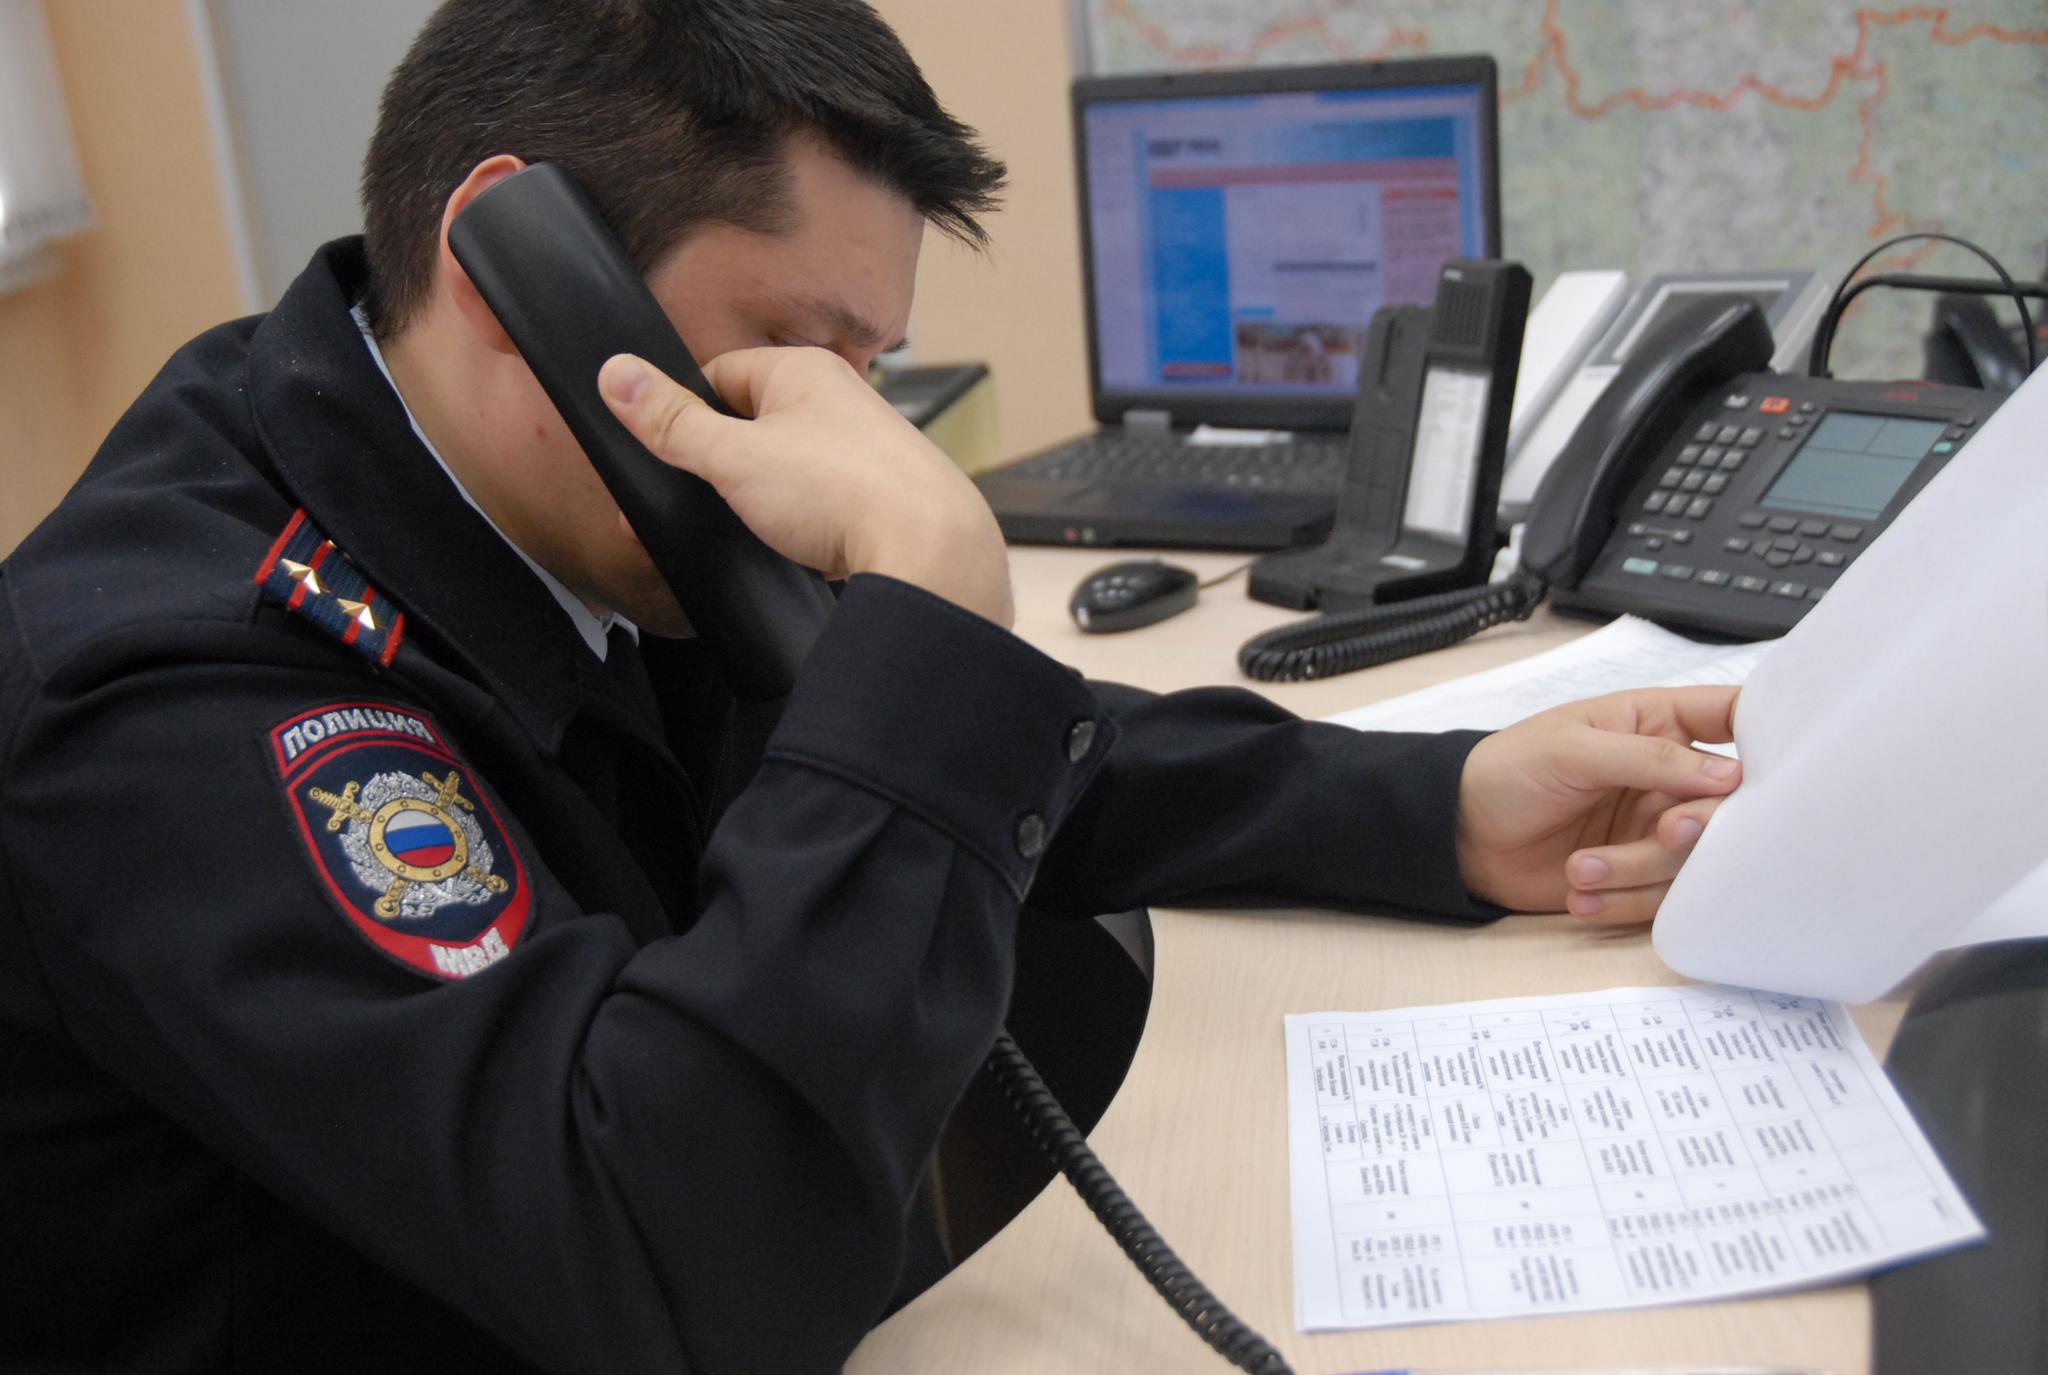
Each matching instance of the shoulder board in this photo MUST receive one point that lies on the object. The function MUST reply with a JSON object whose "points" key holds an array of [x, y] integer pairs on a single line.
{"points": [[305, 574]]}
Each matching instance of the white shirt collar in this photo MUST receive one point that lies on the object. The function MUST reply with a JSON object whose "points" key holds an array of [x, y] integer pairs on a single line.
{"points": [[591, 626]]}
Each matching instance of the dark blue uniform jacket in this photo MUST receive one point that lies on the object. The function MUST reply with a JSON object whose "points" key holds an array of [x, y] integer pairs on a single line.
{"points": [[392, 994]]}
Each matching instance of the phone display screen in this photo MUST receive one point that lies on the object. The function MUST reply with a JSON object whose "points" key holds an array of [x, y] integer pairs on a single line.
{"points": [[1853, 465], [1446, 462]]}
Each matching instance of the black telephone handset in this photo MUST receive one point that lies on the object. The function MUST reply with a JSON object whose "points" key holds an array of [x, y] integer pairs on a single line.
{"points": [[550, 270], [1968, 345], [1694, 352]]}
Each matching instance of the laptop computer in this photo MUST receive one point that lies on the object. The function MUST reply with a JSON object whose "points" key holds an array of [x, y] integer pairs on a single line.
{"points": [[1238, 230]]}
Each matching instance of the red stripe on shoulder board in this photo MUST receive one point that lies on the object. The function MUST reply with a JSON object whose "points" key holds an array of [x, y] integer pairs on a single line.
{"points": [[393, 633], [263, 570]]}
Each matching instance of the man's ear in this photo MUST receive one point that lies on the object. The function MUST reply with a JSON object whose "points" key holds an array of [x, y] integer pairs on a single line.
{"points": [[452, 279]]}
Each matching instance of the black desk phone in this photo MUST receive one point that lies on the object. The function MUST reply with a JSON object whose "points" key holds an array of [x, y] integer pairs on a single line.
{"points": [[1701, 490], [553, 274], [1428, 441], [1746, 507]]}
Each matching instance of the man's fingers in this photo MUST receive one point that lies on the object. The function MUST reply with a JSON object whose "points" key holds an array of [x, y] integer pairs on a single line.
{"points": [[1617, 885], [1620, 907], [1649, 763], [1705, 712], [1653, 859], [755, 380], [662, 414], [1679, 827], [1610, 868], [741, 377]]}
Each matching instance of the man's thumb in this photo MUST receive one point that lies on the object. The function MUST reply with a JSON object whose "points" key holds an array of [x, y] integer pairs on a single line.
{"points": [[652, 406]]}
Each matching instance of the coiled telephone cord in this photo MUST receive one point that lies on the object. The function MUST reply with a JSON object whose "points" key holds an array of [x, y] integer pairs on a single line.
{"points": [[1064, 1145], [1342, 641]]}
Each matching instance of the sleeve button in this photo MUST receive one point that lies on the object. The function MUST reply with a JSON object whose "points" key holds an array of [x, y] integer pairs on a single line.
{"points": [[1031, 836], [1080, 739]]}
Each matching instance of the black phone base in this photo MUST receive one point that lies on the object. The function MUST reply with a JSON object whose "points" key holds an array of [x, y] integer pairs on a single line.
{"points": [[1342, 576]]}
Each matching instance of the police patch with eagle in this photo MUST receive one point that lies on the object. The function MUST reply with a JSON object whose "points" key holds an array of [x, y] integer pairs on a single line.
{"points": [[401, 836]]}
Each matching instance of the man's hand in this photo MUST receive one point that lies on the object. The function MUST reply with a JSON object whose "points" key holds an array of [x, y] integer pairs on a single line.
{"points": [[1592, 807], [825, 472]]}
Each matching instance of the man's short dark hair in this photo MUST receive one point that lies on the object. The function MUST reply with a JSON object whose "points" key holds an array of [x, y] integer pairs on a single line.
{"points": [[670, 113]]}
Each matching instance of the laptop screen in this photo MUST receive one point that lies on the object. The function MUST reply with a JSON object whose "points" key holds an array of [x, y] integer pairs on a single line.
{"points": [[1238, 242]]}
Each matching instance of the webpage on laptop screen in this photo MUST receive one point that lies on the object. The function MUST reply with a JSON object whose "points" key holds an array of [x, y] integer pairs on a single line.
{"points": [[1242, 243]]}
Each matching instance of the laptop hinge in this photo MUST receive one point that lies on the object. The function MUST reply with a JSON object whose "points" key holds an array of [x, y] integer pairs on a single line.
{"points": [[1148, 421]]}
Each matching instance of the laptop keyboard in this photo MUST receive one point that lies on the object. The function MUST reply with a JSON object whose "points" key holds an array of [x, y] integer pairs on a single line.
{"points": [[1313, 467]]}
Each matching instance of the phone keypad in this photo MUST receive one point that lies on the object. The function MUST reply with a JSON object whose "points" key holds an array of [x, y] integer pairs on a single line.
{"points": [[1683, 493], [1696, 524], [1708, 458]]}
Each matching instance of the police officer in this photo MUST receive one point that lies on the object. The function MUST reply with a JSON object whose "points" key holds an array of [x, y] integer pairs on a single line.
{"points": [[415, 953]]}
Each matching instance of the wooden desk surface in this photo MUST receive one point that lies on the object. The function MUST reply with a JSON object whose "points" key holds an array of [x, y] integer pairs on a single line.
{"points": [[1198, 1133]]}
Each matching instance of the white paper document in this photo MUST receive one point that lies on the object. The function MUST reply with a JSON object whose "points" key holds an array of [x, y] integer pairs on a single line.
{"points": [[1620, 1149], [1894, 800], [1627, 653]]}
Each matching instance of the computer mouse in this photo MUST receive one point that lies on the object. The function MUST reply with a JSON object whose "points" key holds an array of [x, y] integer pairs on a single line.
{"points": [[1124, 596]]}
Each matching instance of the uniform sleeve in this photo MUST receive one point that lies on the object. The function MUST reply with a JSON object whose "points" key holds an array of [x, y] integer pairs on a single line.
{"points": [[691, 1154], [1218, 795]]}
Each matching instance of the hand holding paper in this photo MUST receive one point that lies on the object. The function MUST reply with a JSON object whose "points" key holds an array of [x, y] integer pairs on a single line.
{"points": [[1593, 805], [1895, 749]]}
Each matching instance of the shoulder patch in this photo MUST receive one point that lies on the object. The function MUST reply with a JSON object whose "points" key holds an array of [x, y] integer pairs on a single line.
{"points": [[304, 573], [401, 836]]}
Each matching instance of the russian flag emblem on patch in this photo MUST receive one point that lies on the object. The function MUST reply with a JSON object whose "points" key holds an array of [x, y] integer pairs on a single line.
{"points": [[402, 837]]}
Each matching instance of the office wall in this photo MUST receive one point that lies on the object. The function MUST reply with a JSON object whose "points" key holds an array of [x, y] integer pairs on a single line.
{"points": [[1005, 69], [76, 349], [300, 83]]}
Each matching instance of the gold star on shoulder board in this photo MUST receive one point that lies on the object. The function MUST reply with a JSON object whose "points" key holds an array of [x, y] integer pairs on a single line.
{"points": [[306, 574], [359, 612]]}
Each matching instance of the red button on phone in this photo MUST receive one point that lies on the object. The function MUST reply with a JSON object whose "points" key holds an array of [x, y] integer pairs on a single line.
{"points": [[1775, 405]]}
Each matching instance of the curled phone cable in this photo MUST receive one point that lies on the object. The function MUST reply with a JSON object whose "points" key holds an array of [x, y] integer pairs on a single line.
{"points": [[1064, 1145], [1343, 641]]}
